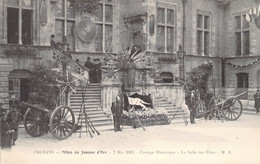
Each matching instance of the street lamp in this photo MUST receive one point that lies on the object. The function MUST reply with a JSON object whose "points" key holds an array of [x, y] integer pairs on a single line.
{"points": [[181, 57]]}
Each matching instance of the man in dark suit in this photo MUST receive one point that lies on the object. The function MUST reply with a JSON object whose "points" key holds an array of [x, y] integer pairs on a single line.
{"points": [[257, 100], [116, 110], [53, 43], [90, 65], [96, 71], [191, 102]]}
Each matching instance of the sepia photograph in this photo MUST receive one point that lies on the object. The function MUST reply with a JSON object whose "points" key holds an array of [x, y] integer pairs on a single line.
{"points": [[130, 81]]}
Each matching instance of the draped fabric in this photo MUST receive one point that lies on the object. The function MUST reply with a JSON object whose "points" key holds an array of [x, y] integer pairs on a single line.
{"points": [[145, 100]]}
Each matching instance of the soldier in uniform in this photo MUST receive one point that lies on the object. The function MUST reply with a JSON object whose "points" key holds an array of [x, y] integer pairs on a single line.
{"points": [[116, 110], [257, 100], [191, 102]]}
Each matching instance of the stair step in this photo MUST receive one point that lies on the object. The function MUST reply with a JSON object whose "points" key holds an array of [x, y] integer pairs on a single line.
{"points": [[97, 124], [170, 115], [90, 110], [93, 84], [96, 120], [92, 95], [94, 116], [163, 102], [88, 91], [87, 107], [160, 99], [164, 105], [89, 99], [174, 111], [78, 96], [86, 94], [86, 103], [250, 111], [171, 107], [88, 88]]}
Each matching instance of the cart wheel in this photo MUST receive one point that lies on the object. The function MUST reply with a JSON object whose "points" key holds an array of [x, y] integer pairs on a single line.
{"points": [[232, 109], [211, 103], [35, 122], [62, 122]]}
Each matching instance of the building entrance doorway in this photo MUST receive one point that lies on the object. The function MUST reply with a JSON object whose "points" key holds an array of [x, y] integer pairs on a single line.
{"points": [[242, 85], [19, 87]]}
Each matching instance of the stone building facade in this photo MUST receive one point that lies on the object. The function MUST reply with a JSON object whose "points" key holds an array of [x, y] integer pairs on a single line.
{"points": [[163, 29]]}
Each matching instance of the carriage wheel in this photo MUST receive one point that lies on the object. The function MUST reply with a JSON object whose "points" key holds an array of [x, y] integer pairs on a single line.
{"points": [[62, 122], [35, 122], [232, 109], [211, 108], [214, 109]]}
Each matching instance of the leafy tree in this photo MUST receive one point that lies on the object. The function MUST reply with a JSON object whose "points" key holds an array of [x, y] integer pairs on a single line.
{"points": [[44, 87]]}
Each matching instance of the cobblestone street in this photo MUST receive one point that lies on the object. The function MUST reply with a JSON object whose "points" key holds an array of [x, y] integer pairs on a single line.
{"points": [[203, 142]]}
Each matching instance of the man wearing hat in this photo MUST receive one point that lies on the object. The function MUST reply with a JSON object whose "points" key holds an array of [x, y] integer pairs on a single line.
{"points": [[116, 110], [191, 102], [89, 65], [257, 100]]}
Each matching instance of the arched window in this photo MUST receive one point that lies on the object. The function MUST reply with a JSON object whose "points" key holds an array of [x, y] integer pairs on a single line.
{"points": [[167, 77]]}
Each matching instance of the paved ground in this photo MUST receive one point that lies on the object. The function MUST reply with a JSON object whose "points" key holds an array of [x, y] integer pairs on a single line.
{"points": [[204, 142]]}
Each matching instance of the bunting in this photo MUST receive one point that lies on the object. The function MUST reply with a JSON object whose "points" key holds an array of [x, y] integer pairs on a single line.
{"points": [[243, 66]]}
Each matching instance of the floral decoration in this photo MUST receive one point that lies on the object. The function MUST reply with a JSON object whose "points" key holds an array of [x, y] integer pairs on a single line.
{"points": [[146, 113], [23, 50]]}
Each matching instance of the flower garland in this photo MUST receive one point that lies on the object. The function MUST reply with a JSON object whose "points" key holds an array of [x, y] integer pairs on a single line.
{"points": [[23, 50], [243, 66], [145, 113]]}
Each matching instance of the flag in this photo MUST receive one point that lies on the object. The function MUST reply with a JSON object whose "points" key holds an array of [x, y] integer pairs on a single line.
{"points": [[258, 13], [248, 19]]}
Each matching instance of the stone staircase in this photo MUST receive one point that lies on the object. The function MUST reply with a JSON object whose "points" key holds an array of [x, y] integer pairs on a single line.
{"points": [[171, 109], [92, 94], [249, 107]]}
